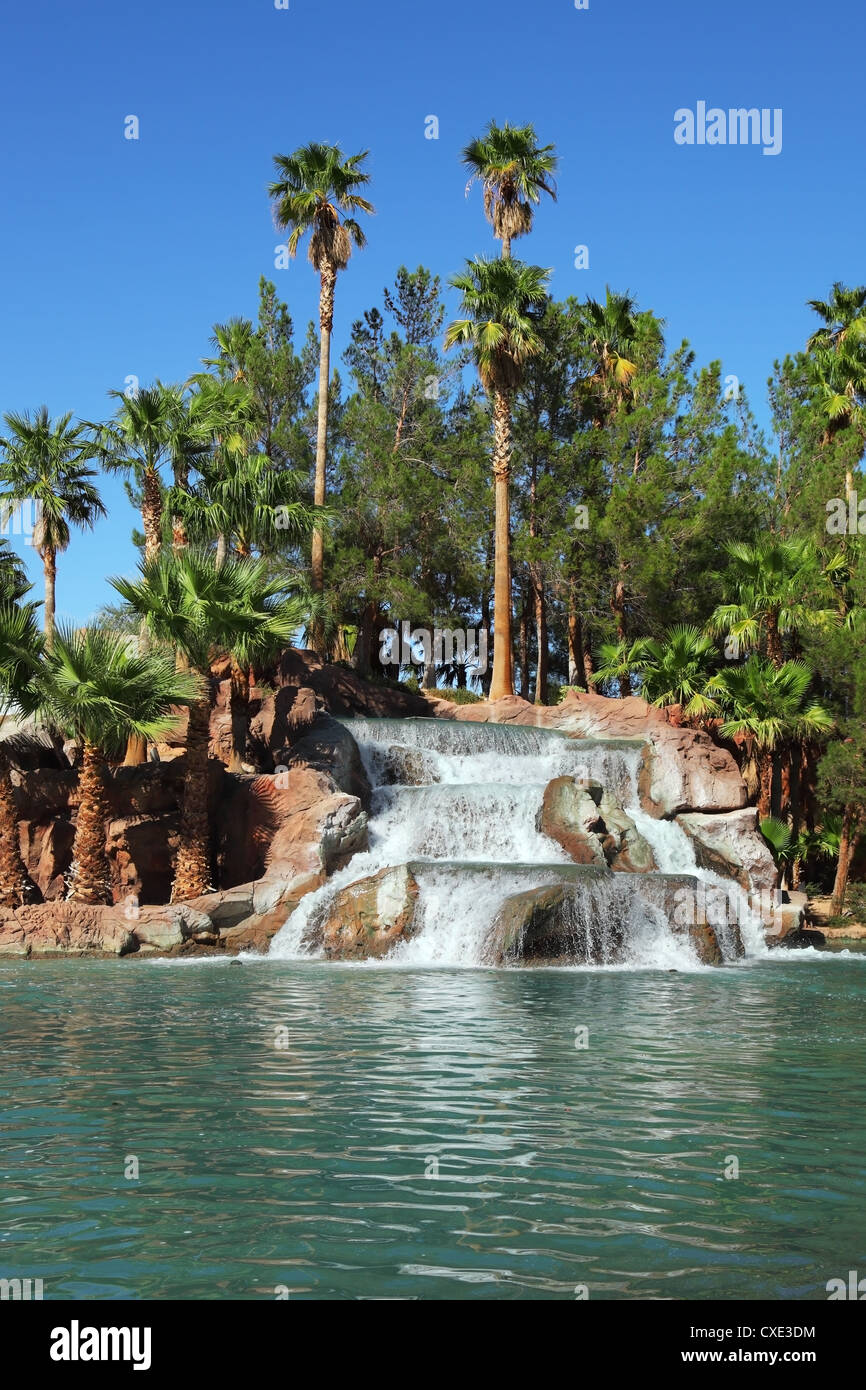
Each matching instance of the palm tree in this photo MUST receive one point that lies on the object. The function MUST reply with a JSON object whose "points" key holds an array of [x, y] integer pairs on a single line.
{"points": [[101, 690], [791, 851], [679, 669], [153, 428], [315, 185], [502, 300], [843, 315], [21, 654], [771, 706], [778, 585], [610, 333], [14, 583], [838, 353], [233, 341], [619, 661], [44, 462], [246, 503], [514, 171], [202, 608]]}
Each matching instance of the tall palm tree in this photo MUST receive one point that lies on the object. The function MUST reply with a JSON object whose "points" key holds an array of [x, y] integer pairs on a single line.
{"points": [[614, 340], [246, 503], [233, 341], [44, 461], [514, 171], [778, 588], [202, 608], [838, 353], [843, 315], [316, 191], [502, 300], [223, 411], [21, 655], [153, 428], [610, 333], [773, 708], [101, 690]]}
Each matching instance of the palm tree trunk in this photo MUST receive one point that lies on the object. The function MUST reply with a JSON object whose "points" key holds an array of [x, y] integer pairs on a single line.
{"points": [[192, 867], [151, 521], [151, 514], [239, 708], [221, 549], [506, 248], [16, 885], [785, 779], [91, 879], [49, 566], [502, 683], [326, 324], [843, 864], [774, 642], [765, 782], [136, 751]]}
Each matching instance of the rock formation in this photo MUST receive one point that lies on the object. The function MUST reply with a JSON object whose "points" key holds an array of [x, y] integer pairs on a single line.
{"points": [[300, 812]]}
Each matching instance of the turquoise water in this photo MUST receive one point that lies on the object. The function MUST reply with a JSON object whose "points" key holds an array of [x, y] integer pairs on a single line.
{"points": [[306, 1159]]}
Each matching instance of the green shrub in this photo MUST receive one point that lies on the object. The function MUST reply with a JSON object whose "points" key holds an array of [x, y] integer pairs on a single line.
{"points": [[458, 696], [562, 690]]}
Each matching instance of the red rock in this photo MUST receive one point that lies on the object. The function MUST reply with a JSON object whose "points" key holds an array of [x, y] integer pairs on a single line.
{"points": [[368, 918], [47, 929]]}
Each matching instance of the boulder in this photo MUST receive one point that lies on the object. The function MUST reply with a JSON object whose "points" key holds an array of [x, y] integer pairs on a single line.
{"points": [[682, 768], [166, 927], [304, 737], [800, 939], [570, 816], [783, 912], [588, 920], [141, 853], [227, 907], [368, 918], [625, 849], [65, 928], [731, 844], [396, 765], [296, 821], [46, 848]]}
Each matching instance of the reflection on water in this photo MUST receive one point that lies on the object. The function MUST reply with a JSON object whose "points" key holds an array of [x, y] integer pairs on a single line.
{"points": [[431, 1134]]}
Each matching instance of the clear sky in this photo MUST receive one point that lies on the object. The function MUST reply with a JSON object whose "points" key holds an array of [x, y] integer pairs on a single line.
{"points": [[117, 256]]}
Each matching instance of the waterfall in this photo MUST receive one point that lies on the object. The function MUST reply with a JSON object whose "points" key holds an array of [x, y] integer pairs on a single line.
{"points": [[723, 899], [459, 803]]}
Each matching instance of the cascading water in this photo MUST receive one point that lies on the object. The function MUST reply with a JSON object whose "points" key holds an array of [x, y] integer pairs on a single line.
{"points": [[459, 802]]}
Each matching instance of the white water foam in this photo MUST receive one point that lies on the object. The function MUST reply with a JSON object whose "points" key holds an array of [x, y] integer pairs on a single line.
{"points": [[469, 830]]}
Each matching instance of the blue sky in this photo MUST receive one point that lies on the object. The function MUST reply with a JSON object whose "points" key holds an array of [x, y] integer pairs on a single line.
{"points": [[117, 256]]}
